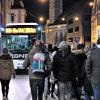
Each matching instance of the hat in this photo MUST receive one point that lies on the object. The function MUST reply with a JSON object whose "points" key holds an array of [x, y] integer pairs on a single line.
{"points": [[63, 45]]}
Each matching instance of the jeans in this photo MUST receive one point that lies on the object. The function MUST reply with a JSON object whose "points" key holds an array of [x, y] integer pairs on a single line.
{"points": [[65, 90], [5, 87], [37, 88], [96, 93], [87, 97], [46, 88]]}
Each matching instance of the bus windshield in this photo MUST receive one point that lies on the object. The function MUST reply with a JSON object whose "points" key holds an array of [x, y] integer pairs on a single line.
{"points": [[19, 39], [17, 43]]}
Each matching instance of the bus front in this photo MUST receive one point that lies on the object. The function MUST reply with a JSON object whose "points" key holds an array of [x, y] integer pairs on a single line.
{"points": [[19, 41]]}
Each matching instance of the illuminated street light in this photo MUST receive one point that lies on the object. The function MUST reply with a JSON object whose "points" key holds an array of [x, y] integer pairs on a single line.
{"points": [[63, 19], [42, 1], [41, 19], [76, 18], [91, 4]]}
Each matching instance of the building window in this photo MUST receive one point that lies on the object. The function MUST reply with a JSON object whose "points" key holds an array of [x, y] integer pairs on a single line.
{"points": [[70, 39], [98, 20], [11, 17], [77, 29], [70, 30], [70, 21], [99, 6]]}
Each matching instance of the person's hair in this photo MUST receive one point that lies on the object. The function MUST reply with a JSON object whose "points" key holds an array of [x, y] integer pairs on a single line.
{"points": [[98, 41], [38, 43], [55, 48], [50, 48]]}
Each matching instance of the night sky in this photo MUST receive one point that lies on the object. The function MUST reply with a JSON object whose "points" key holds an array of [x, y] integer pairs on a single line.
{"points": [[35, 9]]}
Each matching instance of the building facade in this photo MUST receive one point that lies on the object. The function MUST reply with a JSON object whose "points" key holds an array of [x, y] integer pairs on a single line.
{"points": [[11, 13], [95, 21], [79, 24], [55, 9], [55, 34]]}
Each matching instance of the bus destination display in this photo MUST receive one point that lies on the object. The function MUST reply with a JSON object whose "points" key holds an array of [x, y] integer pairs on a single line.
{"points": [[20, 30]]}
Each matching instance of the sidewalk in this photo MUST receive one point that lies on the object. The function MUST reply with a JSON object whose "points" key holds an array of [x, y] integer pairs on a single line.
{"points": [[19, 89]]}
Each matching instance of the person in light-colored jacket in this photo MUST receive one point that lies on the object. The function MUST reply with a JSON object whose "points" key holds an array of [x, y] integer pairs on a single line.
{"points": [[6, 72], [37, 80]]}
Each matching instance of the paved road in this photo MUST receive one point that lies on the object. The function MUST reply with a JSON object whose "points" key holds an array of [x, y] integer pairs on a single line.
{"points": [[19, 89]]}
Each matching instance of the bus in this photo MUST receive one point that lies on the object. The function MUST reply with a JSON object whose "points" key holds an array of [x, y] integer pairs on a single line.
{"points": [[19, 38]]}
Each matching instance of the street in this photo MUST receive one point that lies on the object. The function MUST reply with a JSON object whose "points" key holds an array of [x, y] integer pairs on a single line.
{"points": [[19, 89]]}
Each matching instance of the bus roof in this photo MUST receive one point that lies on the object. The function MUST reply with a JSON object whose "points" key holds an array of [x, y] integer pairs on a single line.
{"points": [[9, 24]]}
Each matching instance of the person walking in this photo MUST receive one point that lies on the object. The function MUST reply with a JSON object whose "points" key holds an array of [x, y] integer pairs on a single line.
{"points": [[93, 69], [63, 69], [6, 72], [39, 65]]}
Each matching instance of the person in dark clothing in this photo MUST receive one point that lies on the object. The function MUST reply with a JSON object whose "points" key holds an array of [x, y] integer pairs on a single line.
{"points": [[6, 72], [93, 69], [80, 58], [52, 80], [63, 69]]}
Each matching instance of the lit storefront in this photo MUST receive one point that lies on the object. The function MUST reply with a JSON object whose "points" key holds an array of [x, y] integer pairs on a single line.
{"points": [[95, 22]]}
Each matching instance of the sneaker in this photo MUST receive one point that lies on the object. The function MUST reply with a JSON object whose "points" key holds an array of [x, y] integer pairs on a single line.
{"points": [[4, 98], [7, 98]]}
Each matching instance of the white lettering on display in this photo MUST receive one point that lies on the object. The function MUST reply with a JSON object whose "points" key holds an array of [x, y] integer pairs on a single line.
{"points": [[16, 56]]}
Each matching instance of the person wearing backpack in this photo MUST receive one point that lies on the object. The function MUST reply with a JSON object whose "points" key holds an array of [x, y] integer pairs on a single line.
{"points": [[39, 65], [6, 72]]}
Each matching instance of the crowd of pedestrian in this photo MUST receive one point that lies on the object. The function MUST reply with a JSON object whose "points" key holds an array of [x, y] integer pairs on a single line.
{"points": [[73, 72]]}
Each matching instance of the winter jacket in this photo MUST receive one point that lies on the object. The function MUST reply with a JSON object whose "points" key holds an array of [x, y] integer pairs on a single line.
{"points": [[93, 67], [6, 67], [80, 58], [63, 63], [28, 63]]}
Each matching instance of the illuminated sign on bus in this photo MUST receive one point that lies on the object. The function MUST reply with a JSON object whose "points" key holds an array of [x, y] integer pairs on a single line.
{"points": [[20, 30]]}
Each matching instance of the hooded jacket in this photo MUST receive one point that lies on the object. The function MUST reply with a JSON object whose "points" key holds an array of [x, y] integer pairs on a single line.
{"points": [[63, 63], [93, 67], [6, 66], [80, 58]]}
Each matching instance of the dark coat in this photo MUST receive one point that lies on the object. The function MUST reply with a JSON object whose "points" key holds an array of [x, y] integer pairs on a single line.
{"points": [[93, 67], [63, 66]]}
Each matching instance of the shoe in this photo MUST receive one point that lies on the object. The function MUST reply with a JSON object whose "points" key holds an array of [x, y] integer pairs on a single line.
{"points": [[4, 98], [7, 98]]}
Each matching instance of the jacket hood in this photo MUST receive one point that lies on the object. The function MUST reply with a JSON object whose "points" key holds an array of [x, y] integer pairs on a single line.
{"points": [[63, 45], [63, 48]]}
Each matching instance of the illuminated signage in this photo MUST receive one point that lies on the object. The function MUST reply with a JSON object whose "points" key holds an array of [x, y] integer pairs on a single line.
{"points": [[20, 30]]}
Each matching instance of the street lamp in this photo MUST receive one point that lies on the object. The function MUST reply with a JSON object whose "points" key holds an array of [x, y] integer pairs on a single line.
{"points": [[41, 20], [76, 18], [91, 4], [42, 1], [63, 19]]}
